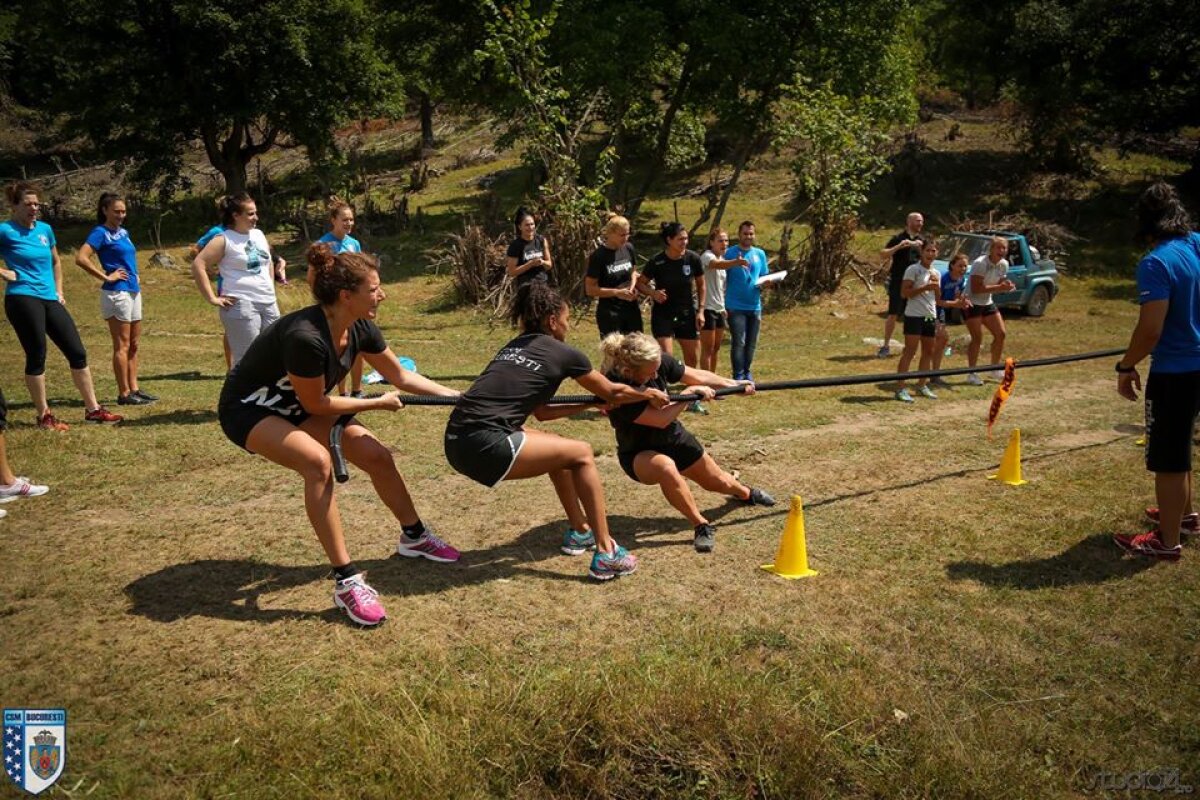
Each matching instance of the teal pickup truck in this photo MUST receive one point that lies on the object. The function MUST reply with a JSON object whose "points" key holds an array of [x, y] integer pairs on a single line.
{"points": [[1036, 278]]}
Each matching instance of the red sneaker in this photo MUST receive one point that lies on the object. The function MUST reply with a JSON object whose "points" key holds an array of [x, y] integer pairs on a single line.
{"points": [[49, 422], [1191, 522], [1147, 544], [102, 414]]}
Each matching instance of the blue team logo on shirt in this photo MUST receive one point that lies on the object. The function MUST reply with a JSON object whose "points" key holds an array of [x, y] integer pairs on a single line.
{"points": [[254, 258], [45, 240], [35, 747], [687, 270]]}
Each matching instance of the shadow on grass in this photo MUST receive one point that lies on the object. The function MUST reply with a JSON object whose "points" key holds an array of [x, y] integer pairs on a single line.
{"points": [[190, 375], [184, 417], [1122, 290], [853, 359], [234, 588], [1093, 560]]}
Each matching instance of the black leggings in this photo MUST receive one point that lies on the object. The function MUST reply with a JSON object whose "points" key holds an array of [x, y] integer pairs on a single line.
{"points": [[34, 319]]}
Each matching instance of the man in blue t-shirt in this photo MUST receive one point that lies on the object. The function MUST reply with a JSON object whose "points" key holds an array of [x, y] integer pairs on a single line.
{"points": [[1168, 330], [743, 300]]}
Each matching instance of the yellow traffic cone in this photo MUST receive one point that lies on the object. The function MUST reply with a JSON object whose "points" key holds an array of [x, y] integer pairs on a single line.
{"points": [[1010, 464], [792, 559]]}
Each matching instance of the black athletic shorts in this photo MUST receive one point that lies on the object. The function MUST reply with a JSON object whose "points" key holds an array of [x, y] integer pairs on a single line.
{"points": [[3, 413], [238, 419], [896, 301], [622, 316], [714, 320], [678, 323], [483, 455], [981, 311], [920, 326], [1172, 403], [685, 452]]}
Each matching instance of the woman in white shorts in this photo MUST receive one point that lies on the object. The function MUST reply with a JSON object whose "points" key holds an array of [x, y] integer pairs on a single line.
{"points": [[120, 293], [243, 257]]}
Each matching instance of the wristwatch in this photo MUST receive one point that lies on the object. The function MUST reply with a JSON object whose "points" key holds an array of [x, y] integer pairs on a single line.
{"points": [[1124, 370]]}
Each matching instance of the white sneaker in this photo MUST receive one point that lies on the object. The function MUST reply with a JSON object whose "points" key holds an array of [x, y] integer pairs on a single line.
{"points": [[974, 380], [996, 375], [21, 487], [3, 513]]}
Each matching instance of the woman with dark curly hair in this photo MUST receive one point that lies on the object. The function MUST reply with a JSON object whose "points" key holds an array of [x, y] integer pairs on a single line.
{"points": [[486, 439]]}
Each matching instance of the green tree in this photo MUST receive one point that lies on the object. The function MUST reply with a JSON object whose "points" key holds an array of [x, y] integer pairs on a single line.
{"points": [[143, 79]]}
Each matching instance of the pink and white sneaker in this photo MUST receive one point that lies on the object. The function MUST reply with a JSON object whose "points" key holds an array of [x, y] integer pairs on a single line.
{"points": [[358, 600], [428, 546], [21, 487]]}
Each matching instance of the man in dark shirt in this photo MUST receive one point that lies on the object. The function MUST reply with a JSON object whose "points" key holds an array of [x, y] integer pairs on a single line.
{"points": [[904, 250]]}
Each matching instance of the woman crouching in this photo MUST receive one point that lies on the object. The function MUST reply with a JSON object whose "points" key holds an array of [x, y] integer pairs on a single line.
{"points": [[653, 447]]}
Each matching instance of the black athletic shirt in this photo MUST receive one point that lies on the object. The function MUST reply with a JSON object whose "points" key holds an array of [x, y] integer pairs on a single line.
{"points": [[612, 269], [903, 258], [524, 251], [299, 344], [675, 276], [634, 438], [524, 374]]}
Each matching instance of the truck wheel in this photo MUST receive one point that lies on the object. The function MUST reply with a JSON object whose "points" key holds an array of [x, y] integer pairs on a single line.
{"points": [[1038, 300]]}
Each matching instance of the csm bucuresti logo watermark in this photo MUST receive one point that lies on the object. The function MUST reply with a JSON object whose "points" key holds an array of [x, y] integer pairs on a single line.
{"points": [[1164, 780], [35, 746]]}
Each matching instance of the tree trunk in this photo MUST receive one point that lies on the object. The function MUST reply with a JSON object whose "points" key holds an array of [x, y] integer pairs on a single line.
{"points": [[663, 142], [743, 157], [427, 141]]}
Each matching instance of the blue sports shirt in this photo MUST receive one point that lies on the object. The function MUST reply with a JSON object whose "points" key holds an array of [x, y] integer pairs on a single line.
{"points": [[27, 251], [1171, 272], [116, 251], [741, 293]]}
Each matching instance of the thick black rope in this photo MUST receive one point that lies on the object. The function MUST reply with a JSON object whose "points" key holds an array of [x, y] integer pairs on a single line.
{"points": [[342, 475]]}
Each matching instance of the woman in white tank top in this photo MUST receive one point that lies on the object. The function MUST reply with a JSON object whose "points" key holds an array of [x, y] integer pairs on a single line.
{"points": [[243, 257]]}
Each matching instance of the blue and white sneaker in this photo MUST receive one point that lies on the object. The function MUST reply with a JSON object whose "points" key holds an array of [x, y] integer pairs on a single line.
{"points": [[606, 566], [575, 543]]}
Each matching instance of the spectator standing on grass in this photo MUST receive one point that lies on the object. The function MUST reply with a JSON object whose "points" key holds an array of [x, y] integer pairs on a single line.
{"points": [[341, 224], [612, 279], [194, 251], [243, 257], [487, 441], [904, 249], [276, 404], [12, 486], [920, 288], [676, 273], [120, 293], [715, 278], [743, 300], [1168, 330], [951, 306], [528, 258], [989, 273], [653, 447], [36, 308]]}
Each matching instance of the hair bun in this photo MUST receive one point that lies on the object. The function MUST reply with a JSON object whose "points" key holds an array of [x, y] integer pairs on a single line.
{"points": [[320, 257]]}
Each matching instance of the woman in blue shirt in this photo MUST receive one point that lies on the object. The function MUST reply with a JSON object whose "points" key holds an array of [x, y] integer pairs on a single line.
{"points": [[120, 292], [36, 308], [341, 223]]}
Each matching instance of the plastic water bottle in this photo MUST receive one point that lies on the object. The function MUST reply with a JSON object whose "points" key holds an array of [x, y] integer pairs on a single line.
{"points": [[949, 351]]}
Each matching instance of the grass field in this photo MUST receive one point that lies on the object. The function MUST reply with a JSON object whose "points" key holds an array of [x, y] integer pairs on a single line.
{"points": [[964, 639]]}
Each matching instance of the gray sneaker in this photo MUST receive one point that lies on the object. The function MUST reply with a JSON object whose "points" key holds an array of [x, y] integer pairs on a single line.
{"points": [[759, 498], [706, 538]]}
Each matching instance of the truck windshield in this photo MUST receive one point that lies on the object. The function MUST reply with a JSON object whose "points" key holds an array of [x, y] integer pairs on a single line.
{"points": [[955, 243]]}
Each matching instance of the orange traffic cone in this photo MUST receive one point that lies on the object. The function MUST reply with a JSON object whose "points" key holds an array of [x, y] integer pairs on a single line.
{"points": [[1010, 464], [792, 559]]}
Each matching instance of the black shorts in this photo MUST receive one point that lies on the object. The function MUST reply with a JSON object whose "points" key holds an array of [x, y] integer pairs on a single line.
{"points": [[896, 301], [981, 311], [483, 455], [714, 320], [920, 326], [3, 413], [685, 452], [1172, 403], [950, 316], [618, 316], [238, 419], [679, 323]]}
